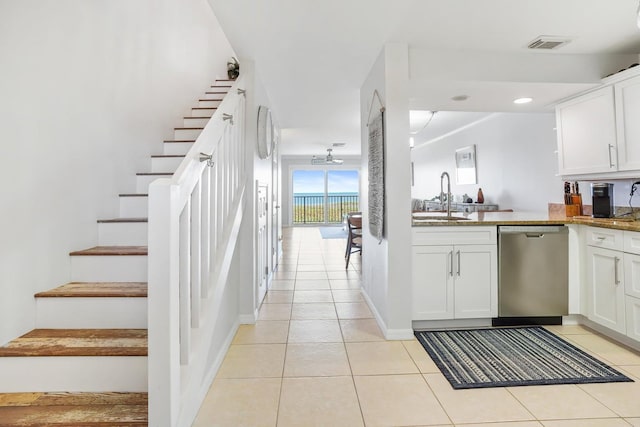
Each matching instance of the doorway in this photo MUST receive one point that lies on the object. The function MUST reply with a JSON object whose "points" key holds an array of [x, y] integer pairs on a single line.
{"points": [[323, 196]]}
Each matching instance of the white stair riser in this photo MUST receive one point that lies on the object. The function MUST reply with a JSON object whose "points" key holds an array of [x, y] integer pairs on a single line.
{"points": [[209, 103], [181, 148], [207, 112], [73, 374], [91, 313], [186, 134], [123, 234], [109, 268], [199, 122], [165, 164], [134, 206], [214, 95], [143, 181]]}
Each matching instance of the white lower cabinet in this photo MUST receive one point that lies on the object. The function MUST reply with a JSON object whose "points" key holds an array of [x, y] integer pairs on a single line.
{"points": [[632, 308], [455, 281], [632, 274], [605, 281], [432, 283]]}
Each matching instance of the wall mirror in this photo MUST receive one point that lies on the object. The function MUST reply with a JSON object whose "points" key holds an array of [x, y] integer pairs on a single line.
{"points": [[466, 165]]}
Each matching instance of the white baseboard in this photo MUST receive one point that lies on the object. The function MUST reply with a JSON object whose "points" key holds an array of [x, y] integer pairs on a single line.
{"points": [[248, 319], [451, 324], [389, 334]]}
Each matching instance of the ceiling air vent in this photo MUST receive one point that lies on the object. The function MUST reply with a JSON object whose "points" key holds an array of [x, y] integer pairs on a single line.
{"points": [[548, 42]]}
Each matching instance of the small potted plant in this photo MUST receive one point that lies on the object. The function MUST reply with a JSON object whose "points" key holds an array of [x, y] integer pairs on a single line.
{"points": [[233, 69]]}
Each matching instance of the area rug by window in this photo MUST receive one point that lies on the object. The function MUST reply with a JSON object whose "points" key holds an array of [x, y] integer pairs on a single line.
{"points": [[333, 233], [506, 357]]}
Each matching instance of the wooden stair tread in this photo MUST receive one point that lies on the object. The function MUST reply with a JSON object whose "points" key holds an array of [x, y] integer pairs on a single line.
{"points": [[154, 173], [73, 409], [97, 289], [122, 220], [112, 250], [78, 342]]}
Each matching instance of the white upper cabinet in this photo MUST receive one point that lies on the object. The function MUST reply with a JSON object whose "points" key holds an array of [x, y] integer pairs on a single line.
{"points": [[627, 96], [599, 132], [586, 127]]}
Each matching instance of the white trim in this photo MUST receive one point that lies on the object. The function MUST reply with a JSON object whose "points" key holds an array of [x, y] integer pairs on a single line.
{"points": [[389, 334], [460, 129], [248, 319]]}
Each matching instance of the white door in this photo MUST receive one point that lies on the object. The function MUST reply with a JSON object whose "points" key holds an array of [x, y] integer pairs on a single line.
{"points": [[605, 281], [262, 255], [632, 275], [627, 95], [476, 282], [432, 282], [275, 208], [587, 133], [633, 317]]}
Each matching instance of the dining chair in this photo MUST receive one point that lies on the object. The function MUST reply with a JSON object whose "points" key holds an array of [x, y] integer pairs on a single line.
{"points": [[354, 236]]}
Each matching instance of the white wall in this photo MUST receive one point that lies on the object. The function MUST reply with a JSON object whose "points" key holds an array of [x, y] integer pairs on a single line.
{"points": [[515, 159], [89, 89], [386, 266]]}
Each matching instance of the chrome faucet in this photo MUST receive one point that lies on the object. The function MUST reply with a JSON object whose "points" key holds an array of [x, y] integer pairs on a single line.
{"points": [[448, 192]]}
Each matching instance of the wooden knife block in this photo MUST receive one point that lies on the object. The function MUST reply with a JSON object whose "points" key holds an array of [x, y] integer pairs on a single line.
{"points": [[575, 208]]}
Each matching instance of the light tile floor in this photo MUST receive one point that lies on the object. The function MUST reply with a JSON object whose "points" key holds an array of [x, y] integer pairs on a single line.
{"points": [[316, 357]]}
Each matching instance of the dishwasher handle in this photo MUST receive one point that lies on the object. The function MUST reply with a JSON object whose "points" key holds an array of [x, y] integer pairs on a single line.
{"points": [[534, 235], [532, 229]]}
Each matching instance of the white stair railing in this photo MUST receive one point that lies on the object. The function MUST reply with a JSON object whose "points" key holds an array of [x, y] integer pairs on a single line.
{"points": [[194, 220]]}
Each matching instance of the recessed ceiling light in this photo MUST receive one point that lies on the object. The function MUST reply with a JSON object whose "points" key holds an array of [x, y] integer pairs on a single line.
{"points": [[522, 100], [460, 98]]}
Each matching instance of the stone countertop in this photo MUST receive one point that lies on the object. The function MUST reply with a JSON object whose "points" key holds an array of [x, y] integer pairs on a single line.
{"points": [[521, 218]]}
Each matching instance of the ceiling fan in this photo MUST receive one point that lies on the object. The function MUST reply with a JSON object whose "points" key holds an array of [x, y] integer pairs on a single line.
{"points": [[329, 160]]}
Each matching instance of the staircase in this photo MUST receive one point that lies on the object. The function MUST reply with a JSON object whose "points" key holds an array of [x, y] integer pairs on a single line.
{"points": [[86, 361]]}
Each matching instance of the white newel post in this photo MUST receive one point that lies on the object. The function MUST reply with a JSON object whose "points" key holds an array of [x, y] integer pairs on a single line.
{"points": [[164, 311]]}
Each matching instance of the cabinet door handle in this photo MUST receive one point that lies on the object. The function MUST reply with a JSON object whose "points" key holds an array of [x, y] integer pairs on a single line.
{"points": [[458, 255], [611, 165], [451, 263], [615, 270]]}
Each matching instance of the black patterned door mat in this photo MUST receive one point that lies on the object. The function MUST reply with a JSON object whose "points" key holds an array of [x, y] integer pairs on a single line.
{"points": [[507, 357]]}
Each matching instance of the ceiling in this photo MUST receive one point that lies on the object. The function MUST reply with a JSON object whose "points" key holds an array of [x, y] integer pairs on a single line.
{"points": [[312, 57]]}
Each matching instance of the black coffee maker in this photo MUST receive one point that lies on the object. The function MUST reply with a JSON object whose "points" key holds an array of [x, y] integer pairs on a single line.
{"points": [[602, 199]]}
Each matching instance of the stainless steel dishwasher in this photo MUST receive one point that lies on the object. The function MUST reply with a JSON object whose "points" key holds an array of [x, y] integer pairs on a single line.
{"points": [[533, 274]]}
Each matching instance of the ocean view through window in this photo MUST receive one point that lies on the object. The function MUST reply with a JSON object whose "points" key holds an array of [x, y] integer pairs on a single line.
{"points": [[324, 196]]}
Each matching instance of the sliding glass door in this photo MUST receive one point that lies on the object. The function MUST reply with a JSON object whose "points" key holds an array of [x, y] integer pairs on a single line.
{"points": [[324, 196]]}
